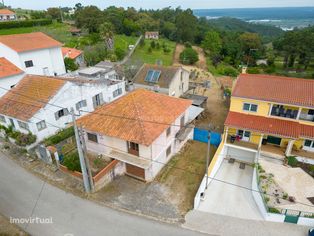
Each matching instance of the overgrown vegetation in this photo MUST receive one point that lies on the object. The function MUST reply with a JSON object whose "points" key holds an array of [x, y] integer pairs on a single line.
{"points": [[70, 64], [72, 161], [188, 56], [21, 139], [60, 136], [24, 23]]}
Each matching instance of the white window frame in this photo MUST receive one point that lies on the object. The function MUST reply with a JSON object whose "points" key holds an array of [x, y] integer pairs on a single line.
{"points": [[309, 148], [81, 104], [2, 119], [23, 125], [41, 125], [117, 92], [245, 138], [250, 107], [91, 140]]}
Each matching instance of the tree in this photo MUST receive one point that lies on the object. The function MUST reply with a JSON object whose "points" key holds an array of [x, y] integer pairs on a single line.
{"points": [[189, 56], [35, 15], [186, 26], [212, 43], [90, 18], [106, 33], [70, 64], [251, 46], [54, 13]]}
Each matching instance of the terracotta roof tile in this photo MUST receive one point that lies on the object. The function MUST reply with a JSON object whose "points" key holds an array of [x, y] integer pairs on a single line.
{"points": [[6, 12], [307, 131], [22, 103], [166, 76], [265, 125], [28, 42], [286, 90], [8, 69], [71, 52], [146, 115]]}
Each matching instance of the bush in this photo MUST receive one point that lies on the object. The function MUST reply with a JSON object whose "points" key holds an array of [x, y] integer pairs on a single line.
{"points": [[273, 210], [189, 56], [152, 44], [72, 161], [25, 139], [253, 70], [150, 50], [228, 71], [292, 161], [24, 23], [70, 64], [60, 136], [120, 53], [166, 49]]}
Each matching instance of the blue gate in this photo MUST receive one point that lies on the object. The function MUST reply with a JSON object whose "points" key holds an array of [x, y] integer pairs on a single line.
{"points": [[201, 135]]}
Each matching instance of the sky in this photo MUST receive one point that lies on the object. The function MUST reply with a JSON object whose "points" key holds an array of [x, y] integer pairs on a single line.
{"points": [[149, 4]]}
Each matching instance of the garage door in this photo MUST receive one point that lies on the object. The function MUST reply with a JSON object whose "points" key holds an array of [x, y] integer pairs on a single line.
{"points": [[241, 155], [135, 171]]}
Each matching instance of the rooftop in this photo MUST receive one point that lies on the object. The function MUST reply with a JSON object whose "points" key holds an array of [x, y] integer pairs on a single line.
{"points": [[280, 89], [140, 116], [71, 52], [29, 96], [167, 73], [29, 42], [265, 125], [6, 12], [8, 69]]}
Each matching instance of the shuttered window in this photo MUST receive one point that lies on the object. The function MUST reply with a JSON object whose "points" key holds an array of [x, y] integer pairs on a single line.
{"points": [[23, 125], [41, 125], [61, 113], [2, 119], [81, 104], [168, 152], [98, 100]]}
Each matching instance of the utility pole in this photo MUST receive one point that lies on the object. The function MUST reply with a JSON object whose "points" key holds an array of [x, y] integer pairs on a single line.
{"points": [[207, 159], [61, 14], [81, 154]]}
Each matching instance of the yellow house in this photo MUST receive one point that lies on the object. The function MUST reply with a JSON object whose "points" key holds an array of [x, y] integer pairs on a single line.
{"points": [[271, 115]]}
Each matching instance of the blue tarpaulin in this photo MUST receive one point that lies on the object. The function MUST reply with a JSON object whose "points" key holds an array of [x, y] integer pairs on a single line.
{"points": [[201, 135]]}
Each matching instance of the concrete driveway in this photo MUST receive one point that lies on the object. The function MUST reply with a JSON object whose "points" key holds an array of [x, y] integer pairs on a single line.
{"points": [[226, 199]]}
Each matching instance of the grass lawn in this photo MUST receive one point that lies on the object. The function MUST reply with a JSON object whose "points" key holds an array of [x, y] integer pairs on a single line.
{"points": [[123, 41], [141, 53], [184, 173]]}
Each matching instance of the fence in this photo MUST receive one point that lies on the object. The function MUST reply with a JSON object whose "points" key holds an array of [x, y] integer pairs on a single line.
{"points": [[201, 135]]}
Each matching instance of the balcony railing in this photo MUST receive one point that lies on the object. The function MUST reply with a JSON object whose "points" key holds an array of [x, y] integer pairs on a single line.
{"points": [[306, 117]]}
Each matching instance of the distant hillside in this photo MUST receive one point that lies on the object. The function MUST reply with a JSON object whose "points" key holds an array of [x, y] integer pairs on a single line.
{"points": [[233, 24]]}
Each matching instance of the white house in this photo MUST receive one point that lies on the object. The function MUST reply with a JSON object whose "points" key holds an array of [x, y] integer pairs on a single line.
{"points": [[7, 15], [142, 130], [170, 80], [26, 107], [10, 75], [34, 53], [152, 35], [74, 54]]}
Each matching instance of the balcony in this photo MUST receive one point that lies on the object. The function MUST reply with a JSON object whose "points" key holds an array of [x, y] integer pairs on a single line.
{"points": [[307, 115], [284, 111]]}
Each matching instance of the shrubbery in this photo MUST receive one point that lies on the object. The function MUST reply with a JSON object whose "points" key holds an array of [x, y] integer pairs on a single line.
{"points": [[24, 23], [72, 161], [60, 136], [21, 139], [292, 161], [189, 56]]}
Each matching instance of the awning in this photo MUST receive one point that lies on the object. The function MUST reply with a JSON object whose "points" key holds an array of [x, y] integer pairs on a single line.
{"points": [[194, 112], [130, 159]]}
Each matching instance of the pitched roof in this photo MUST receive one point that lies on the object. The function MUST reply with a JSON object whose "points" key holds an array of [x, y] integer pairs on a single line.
{"points": [[140, 116], [280, 89], [266, 125], [8, 69], [165, 78], [71, 52], [6, 12], [29, 96], [28, 42]]}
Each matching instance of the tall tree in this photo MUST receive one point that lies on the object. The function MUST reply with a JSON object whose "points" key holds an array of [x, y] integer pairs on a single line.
{"points": [[212, 43], [89, 17], [106, 33], [186, 26]]}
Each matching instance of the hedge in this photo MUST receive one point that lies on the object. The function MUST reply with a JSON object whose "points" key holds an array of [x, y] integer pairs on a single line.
{"points": [[24, 23], [60, 136]]}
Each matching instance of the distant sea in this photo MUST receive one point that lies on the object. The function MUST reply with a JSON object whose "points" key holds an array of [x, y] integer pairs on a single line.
{"points": [[286, 18]]}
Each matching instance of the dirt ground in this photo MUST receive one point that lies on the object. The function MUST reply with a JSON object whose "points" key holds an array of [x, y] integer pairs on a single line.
{"points": [[8, 229]]}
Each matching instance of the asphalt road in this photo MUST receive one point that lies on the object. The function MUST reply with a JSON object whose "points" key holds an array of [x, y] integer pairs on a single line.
{"points": [[23, 195]]}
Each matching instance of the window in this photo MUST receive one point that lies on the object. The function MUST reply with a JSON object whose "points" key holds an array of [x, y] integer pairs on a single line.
{"points": [[29, 63], [81, 104], [168, 151], [182, 121], [98, 100], [23, 125], [2, 119], [249, 107], [168, 131], [117, 92], [308, 143], [60, 113], [311, 112], [92, 137], [41, 125]]}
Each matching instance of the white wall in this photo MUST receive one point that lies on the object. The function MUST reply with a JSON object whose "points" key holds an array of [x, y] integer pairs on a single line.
{"points": [[67, 97], [50, 57], [181, 78], [9, 81], [241, 155]]}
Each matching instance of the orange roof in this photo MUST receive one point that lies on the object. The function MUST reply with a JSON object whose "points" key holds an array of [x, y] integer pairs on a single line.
{"points": [[71, 52], [22, 103], [28, 42], [265, 125], [140, 116], [8, 69], [6, 12], [280, 89]]}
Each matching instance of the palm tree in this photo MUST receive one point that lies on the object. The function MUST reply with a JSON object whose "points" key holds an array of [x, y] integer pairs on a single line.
{"points": [[106, 33]]}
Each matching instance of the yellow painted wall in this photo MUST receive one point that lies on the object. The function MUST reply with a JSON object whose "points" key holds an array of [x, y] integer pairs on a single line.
{"points": [[237, 106], [255, 138]]}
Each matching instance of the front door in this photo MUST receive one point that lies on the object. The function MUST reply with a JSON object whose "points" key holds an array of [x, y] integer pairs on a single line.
{"points": [[133, 148], [245, 135], [273, 140]]}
